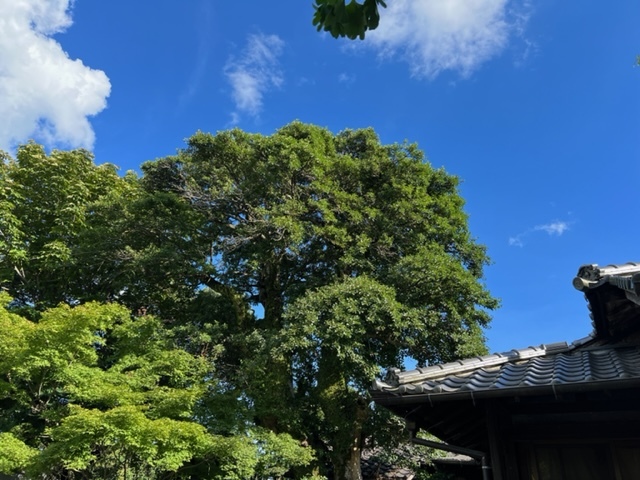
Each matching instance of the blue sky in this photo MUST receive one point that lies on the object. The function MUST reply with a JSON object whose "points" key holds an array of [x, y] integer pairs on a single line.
{"points": [[535, 105]]}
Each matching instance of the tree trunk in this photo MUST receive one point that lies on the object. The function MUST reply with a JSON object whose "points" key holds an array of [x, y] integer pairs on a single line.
{"points": [[345, 412], [352, 466]]}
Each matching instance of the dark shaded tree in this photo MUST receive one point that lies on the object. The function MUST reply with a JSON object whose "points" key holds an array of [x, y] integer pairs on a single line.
{"points": [[349, 19]]}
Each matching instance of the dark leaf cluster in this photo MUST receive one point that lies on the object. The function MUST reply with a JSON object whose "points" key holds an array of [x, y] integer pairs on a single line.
{"points": [[347, 18]]}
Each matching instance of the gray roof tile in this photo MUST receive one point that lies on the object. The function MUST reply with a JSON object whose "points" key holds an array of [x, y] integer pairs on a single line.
{"points": [[551, 365], [610, 353]]}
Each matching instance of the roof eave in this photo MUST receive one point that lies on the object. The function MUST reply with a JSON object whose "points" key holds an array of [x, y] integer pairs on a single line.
{"points": [[389, 398]]}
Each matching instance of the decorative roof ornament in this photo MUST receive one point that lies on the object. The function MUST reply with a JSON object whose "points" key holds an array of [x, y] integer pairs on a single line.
{"points": [[625, 277], [613, 293]]}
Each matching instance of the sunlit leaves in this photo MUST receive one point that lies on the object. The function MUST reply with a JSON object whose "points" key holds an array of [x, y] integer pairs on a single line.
{"points": [[15, 455], [100, 442], [92, 390], [45, 202], [279, 454]]}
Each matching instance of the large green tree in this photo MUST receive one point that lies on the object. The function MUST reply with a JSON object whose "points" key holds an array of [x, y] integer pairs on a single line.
{"points": [[354, 254]]}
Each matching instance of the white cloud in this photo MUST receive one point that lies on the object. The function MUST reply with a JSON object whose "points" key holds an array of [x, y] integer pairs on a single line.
{"points": [[438, 35], [255, 72], [43, 93], [555, 228]]}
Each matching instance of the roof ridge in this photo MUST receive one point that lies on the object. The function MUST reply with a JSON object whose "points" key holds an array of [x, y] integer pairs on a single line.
{"points": [[397, 377], [615, 367]]}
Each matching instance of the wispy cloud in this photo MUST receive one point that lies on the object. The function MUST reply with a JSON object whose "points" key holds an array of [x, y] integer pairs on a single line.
{"points": [[555, 228], [346, 78], [434, 35], [45, 94], [519, 15], [516, 241], [202, 56], [255, 72]]}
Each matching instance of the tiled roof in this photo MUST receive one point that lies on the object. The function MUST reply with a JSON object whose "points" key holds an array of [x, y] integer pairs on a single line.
{"points": [[549, 366], [613, 293]]}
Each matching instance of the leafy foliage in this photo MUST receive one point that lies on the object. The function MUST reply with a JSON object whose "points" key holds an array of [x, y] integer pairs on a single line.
{"points": [[92, 391], [15, 455], [44, 203], [223, 315], [358, 255], [347, 19]]}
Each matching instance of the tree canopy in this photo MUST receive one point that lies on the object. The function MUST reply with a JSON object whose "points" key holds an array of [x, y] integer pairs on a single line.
{"points": [[89, 392], [249, 289]]}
